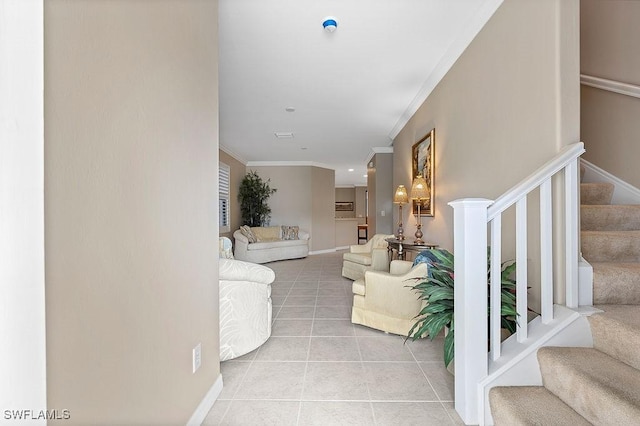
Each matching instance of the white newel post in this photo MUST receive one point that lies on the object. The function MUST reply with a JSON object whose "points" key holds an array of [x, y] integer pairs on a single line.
{"points": [[470, 303]]}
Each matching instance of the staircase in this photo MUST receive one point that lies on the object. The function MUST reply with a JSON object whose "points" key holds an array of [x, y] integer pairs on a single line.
{"points": [[599, 385]]}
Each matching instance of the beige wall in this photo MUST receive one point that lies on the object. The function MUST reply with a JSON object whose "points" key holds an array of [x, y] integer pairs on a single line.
{"points": [[305, 197], [361, 204], [323, 184], [384, 195], [346, 194], [371, 194], [131, 153], [238, 171], [609, 34], [610, 126], [380, 189], [291, 203], [499, 112]]}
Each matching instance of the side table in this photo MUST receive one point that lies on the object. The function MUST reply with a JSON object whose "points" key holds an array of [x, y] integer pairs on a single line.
{"points": [[402, 246]]}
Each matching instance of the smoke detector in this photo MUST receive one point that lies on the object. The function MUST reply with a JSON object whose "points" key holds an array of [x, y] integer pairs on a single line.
{"points": [[329, 24]]}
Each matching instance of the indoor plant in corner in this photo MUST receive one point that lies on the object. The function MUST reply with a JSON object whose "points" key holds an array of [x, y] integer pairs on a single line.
{"points": [[253, 196], [437, 290]]}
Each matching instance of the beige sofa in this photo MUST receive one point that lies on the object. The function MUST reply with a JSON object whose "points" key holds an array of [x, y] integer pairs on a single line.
{"points": [[270, 245], [385, 300]]}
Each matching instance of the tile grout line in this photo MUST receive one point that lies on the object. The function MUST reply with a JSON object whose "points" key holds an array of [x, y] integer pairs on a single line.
{"points": [[306, 364]]}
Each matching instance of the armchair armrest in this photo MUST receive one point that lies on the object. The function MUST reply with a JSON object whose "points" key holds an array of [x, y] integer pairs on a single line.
{"points": [[303, 235], [400, 267], [238, 236], [237, 270], [361, 248]]}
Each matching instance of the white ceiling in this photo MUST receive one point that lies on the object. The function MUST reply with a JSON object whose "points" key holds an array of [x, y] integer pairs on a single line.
{"points": [[352, 89]]}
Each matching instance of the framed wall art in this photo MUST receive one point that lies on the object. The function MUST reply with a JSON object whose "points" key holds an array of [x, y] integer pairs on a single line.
{"points": [[422, 155]]}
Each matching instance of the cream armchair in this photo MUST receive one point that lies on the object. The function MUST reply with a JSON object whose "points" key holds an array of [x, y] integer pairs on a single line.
{"points": [[371, 256], [385, 300], [245, 306]]}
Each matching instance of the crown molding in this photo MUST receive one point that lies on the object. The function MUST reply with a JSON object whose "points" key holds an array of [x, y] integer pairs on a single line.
{"points": [[378, 150], [288, 164], [235, 155], [469, 32], [382, 149]]}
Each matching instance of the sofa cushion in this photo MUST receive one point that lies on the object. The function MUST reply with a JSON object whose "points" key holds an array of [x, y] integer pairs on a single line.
{"points": [[266, 233], [361, 258], [247, 232], [290, 232]]}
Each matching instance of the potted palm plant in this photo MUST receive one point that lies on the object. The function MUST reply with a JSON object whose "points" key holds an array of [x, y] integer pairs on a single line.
{"points": [[437, 289]]}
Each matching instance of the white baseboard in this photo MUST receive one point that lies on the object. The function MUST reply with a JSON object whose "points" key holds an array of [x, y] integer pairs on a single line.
{"points": [[624, 193], [206, 404]]}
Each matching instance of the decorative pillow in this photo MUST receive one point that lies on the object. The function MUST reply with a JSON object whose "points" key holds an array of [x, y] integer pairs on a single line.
{"points": [[433, 256], [290, 232], [266, 233], [246, 231]]}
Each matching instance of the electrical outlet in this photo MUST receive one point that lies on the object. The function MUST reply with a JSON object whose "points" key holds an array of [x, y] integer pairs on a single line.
{"points": [[383, 213], [197, 357]]}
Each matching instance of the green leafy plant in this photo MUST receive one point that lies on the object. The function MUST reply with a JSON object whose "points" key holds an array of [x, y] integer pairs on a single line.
{"points": [[437, 289], [253, 196]]}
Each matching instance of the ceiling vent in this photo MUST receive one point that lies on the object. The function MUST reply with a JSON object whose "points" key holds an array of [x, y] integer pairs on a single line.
{"points": [[284, 135]]}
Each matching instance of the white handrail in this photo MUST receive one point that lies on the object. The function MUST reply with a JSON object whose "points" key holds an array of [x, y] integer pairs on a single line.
{"points": [[610, 85], [531, 182]]}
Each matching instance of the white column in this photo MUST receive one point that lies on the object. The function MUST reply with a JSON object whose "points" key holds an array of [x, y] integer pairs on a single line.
{"points": [[470, 303], [22, 297]]}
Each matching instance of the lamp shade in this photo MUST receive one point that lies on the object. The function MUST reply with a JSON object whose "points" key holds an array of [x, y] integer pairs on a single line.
{"points": [[401, 197], [419, 189]]}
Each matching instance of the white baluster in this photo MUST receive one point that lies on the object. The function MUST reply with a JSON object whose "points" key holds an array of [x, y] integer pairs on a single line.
{"points": [[546, 252], [495, 287], [521, 268]]}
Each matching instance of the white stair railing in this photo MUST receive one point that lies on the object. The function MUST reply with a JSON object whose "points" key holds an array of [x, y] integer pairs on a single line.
{"points": [[474, 218]]}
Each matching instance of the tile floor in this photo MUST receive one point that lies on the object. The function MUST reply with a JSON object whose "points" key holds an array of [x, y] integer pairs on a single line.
{"points": [[319, 369]]}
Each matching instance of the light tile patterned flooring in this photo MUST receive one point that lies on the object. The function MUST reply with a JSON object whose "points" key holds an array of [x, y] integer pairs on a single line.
{"points": [[319, 369]]}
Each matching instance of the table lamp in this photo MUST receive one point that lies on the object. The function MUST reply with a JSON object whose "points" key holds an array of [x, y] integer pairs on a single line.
{"points": [[400, 198], [419, 192]]}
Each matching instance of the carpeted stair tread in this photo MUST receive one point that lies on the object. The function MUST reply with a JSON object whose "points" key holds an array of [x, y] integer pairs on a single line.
{"points": [[610, 217], [616, 283], [600, 388], [596, 193], [531, 406], [611, 246], [616, 332]]}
